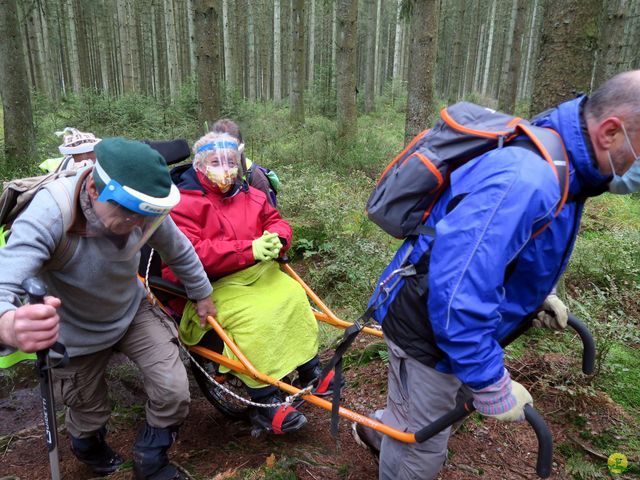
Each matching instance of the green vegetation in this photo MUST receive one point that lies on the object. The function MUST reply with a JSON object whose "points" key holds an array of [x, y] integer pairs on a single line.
{"points": [[340, 253]]}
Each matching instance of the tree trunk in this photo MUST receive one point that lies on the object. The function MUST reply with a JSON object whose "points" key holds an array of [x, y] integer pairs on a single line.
{"points": [[207, 58], [277, 53], [191, 40], [510, 79], [397, 45], [228, 62], [251, 52], [457, 57], [312, 44], [487, 64], [533, 29], [377, 48], [614, 56], [19, 137], [171, 48], [346, 26], [565, 57], [297, 70], [423, 44], [334, 41], [369, 86]]}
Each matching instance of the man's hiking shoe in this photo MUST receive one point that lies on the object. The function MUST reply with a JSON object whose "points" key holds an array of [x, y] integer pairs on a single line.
{"points": [[325, 388], [278, 419], [95, 453], [367, 437]]}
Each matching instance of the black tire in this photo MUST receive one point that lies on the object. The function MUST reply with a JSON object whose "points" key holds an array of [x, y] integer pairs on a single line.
{"points": [[220, 399]]}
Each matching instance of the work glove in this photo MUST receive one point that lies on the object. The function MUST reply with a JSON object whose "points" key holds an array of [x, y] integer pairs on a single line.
{"points": [[554, 314], [266, 247], [503, 400], [277, 244]]}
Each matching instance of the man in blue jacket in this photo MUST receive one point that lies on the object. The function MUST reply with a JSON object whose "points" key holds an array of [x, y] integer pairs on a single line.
{"points": [[483, 272]]}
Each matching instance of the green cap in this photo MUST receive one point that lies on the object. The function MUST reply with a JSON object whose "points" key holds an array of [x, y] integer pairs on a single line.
{"points": [[133, 164]]}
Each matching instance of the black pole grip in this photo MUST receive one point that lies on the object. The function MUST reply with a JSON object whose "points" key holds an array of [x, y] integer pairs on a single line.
{"points": [[545, 441], [35, 289], [460, 411], [588, 345]]}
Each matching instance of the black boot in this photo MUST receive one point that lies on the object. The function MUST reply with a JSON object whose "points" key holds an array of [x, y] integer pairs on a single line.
{"points": [[150, 459], [94, 452]]}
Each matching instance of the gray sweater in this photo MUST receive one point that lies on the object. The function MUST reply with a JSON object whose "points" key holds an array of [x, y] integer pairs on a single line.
{"points": [[100, 295]]}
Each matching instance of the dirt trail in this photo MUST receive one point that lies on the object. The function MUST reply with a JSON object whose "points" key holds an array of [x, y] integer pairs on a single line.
{"points": [[212, 447]]}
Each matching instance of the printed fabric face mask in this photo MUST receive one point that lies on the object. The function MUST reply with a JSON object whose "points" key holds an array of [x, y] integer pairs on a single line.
{"points": [[223, 178]]}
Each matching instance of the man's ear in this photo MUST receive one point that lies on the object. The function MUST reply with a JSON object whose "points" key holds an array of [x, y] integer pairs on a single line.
{"points": [[606, 132], [92, 190]]}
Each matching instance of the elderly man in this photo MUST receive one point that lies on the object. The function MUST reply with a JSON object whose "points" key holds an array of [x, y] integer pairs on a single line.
{"points": [[97, 305], [484, 271]]}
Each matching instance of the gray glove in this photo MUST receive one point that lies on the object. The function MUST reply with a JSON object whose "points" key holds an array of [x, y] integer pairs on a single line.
{"points": [[554, 314]]}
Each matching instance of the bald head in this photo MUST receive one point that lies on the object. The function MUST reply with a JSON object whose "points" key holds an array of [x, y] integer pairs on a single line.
{"points": [[619, 97], [612, 114]]}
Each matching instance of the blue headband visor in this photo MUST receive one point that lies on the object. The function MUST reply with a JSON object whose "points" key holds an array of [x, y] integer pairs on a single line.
{"points": [[218, 145]]}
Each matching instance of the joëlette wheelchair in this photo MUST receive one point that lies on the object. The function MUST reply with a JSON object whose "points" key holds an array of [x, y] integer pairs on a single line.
{"points": [[226, 392]]}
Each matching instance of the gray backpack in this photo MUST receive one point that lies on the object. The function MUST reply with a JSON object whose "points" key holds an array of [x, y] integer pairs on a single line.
{"points": [[412, 183], [17, 194]]}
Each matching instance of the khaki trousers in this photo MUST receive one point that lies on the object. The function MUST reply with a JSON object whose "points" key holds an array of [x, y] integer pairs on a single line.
{"points": [[151, 343]]}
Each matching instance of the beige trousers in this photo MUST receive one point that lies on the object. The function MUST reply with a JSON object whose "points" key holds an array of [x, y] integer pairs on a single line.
{"points": [[151, 343]]}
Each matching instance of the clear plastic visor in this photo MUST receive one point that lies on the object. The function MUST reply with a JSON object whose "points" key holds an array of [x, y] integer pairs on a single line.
{"points": [[219, 161]]}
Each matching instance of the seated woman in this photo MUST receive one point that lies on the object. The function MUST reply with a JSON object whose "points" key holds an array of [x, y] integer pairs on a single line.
{"points": [[238, 235]]}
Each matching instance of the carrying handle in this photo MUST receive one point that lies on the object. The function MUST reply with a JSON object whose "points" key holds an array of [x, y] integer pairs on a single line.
{"points": [[462, 409], [588, 344]]}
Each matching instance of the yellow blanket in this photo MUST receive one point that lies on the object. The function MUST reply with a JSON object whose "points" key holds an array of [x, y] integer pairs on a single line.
{"points": [[267, 314]]}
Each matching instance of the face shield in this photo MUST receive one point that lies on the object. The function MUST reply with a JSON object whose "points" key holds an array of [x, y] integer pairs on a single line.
{"points": [[125, 217], [219, 161]]}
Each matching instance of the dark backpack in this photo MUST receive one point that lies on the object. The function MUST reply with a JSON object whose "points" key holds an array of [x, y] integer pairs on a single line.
{"points": [[412, 183], [18, 193]]}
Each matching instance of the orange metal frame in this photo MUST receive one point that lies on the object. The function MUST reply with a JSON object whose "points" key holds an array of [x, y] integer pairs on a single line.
{"points": [[244, 366]]}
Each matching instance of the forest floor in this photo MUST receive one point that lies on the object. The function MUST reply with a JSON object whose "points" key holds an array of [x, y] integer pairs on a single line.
{"points": [[211, 446]]}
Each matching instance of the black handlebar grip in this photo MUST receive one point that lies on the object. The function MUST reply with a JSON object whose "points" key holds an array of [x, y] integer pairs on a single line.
{"points": [[460, 411], [35, 289], [588, 345], [545, 441]]}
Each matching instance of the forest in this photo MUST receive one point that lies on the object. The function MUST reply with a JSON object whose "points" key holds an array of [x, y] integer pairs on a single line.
{"points": [[327, 93]]}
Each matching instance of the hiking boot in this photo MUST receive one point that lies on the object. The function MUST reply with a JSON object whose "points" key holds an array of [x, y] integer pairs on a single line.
{"points": [[150, 459], [94, 452], [368, 437], [310, 376], [278, 419]]}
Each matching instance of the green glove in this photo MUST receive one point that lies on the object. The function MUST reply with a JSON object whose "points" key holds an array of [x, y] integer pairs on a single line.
{"points": [[266, 247], [275, 242]]}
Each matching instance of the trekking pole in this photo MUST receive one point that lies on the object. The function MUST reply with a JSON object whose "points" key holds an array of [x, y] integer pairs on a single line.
{"points": [[36, 290]]}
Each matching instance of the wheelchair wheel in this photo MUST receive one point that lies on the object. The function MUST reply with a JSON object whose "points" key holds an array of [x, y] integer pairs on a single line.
{"points": [[223, 401]]}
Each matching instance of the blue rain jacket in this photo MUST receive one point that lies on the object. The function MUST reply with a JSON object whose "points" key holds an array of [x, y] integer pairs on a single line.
{"points": [[485, 272]]}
